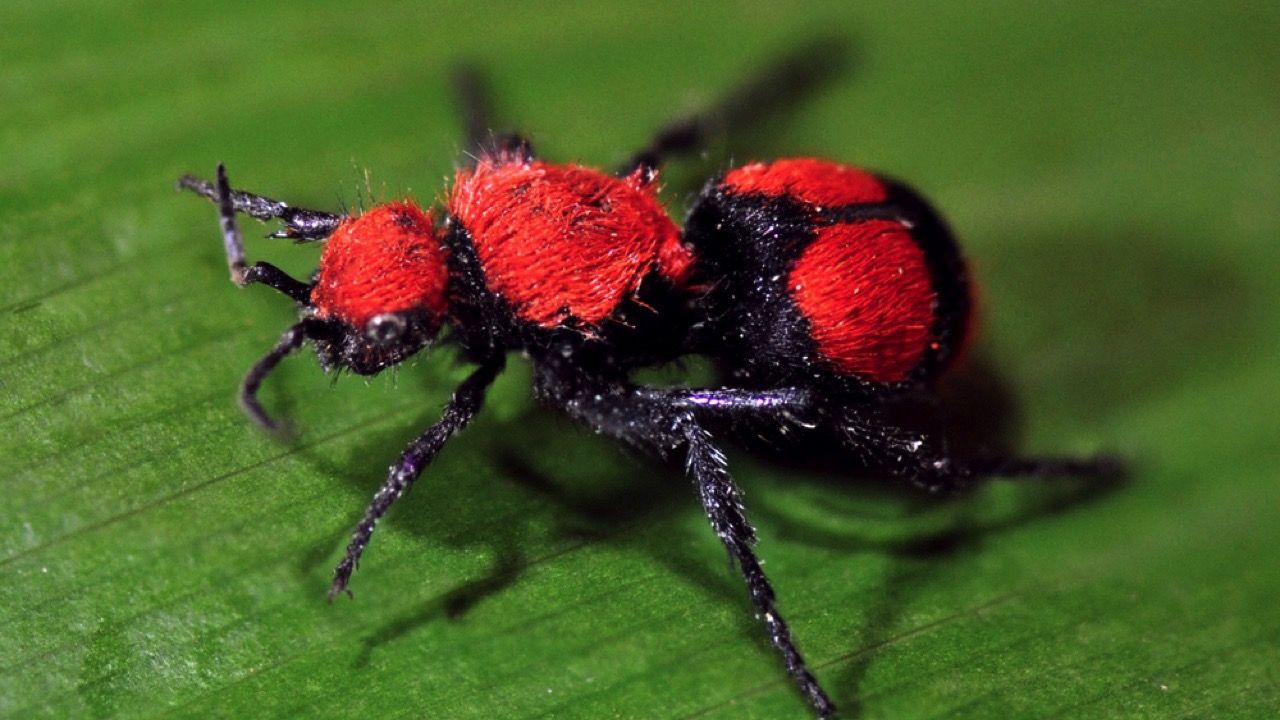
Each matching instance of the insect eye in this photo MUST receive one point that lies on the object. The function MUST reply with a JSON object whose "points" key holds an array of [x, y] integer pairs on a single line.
{"points": [[385, 328]]}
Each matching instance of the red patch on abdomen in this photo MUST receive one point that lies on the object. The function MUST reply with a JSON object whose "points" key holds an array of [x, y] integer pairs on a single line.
{"points": [[386, 260], [816, 182], [865, 290], [565, 243]]}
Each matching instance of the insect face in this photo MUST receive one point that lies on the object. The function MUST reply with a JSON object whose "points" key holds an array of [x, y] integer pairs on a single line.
{"points": [[380, 291]]}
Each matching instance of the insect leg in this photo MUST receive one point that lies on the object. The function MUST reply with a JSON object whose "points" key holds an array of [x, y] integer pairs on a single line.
{"points": [[651, 423], [289, 342], [462, 407], [904, 453], [473, 97], [300, 224], [722, 502], [779, 85]]}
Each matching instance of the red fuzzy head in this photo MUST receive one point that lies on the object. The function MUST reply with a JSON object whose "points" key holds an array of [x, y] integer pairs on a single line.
{"points": [[565, 244], [815, 182], [865, 290], [387, 260]]}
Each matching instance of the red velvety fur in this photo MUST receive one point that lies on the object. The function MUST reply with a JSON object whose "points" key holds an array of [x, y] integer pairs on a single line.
{"points": [[816, 182], [386, 260], [865, 290], [565, 244]]}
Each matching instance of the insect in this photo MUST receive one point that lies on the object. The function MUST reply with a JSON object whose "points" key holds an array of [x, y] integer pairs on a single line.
{"points": [[822, 292]]}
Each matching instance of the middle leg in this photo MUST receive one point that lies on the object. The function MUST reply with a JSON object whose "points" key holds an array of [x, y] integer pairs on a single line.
{"points": [[653, 424]]}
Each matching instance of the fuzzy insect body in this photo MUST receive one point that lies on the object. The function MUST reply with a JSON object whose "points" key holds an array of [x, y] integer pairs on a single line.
{"points": [[565, 245], [829, 275], [820, 290]]}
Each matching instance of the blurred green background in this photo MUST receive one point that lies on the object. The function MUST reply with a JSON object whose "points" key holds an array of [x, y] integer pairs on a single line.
{"points": [[1111, 168]]}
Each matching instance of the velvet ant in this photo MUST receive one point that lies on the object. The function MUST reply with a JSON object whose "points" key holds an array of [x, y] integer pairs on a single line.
{"points": [[822, 292]]}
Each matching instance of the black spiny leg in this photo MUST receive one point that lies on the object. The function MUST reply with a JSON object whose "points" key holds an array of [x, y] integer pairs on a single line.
{"points": [[472, 93], [664, 419], [649, 420], [462, 407], [904, 453], [914, 456], [777, 87], [300, 224], [1101, 467], [723, 505], [292, 339]]}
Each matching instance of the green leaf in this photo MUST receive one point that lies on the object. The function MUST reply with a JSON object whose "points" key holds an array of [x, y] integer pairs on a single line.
{"points": [[1112, 170]]}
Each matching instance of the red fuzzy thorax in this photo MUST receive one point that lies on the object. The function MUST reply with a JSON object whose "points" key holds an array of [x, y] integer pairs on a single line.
{"points": [[387, 260], [815, 182], [565, 244], [865, 290]]}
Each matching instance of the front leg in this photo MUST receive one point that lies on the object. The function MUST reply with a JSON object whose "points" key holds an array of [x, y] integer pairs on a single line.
{"points": [[463, 406]]}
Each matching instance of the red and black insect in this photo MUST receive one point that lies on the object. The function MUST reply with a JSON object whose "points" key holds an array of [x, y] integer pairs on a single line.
{"points": [[822, 292]]}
